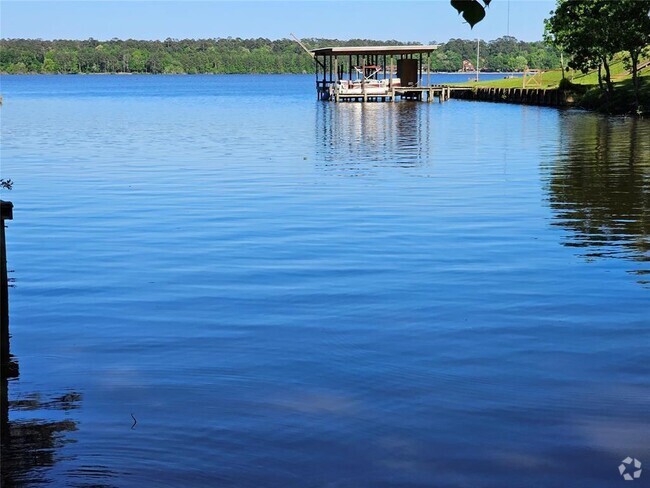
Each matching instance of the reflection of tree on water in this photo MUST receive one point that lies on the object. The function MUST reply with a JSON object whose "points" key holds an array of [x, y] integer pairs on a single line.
{"points": [[600, 186], [29, 446], [31, 443], [359, 136]]}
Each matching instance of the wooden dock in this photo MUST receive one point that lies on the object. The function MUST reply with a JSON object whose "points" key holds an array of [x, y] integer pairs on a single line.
{"points": [[376, 74], [550, 97], [392, 73], [422, 93]]}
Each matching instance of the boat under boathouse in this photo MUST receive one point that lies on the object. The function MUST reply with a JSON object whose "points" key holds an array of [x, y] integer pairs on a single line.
{"points": [[376, 73]]}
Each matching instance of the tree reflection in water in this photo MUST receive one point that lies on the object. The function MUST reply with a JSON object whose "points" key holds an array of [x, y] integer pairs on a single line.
{"points": [[29, 446], [31, 440], [600, 188]]}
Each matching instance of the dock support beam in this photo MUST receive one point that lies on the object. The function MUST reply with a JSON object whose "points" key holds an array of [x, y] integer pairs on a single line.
{"points": [[6, 213]]}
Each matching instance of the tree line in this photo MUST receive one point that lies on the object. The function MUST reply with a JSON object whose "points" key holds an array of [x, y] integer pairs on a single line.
{"points": [[235, 55]]}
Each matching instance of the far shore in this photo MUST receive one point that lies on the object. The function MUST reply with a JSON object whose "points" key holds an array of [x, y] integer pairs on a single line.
{"points": [[424, 73]]}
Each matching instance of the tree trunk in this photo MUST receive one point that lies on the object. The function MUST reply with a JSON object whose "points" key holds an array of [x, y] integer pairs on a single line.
{"points": [[608, 78], [634, 55], [600, 76]]}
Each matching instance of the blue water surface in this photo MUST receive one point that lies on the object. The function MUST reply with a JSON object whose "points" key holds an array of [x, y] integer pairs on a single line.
{"points": [[221, 281]]}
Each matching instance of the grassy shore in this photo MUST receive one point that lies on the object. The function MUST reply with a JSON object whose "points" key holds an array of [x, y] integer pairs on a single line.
{"points": [[587, 92]]}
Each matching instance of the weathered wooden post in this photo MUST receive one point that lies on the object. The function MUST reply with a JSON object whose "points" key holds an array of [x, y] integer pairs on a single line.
{"points": [[6, 213], [363, 78], [336, 80]]}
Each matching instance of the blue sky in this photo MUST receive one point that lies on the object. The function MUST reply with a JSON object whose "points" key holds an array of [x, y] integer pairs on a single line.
{"points": [[424, 21]]}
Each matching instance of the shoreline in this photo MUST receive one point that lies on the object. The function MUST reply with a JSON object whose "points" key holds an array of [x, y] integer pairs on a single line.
{"points": [[582, 97], [457, 73]]}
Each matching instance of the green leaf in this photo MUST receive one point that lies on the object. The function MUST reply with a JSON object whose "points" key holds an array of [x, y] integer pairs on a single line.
{"points": [[459, 5], [473, 13]]}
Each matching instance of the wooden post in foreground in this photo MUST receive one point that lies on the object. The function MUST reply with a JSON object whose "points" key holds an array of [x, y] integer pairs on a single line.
{"points": [[6, 213]]}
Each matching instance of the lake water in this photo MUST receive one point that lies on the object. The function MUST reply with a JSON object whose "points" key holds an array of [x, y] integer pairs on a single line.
{"points": [[292, 293]]}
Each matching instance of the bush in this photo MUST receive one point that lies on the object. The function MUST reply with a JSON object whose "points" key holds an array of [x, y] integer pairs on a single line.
{"points": [[565, 84]]}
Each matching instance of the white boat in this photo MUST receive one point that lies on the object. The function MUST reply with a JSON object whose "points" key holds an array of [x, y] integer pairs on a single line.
{"points": [[368, 86], [367, 82]]}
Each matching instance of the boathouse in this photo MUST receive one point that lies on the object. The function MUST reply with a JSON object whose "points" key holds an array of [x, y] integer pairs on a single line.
{"points": [[376, 73]]}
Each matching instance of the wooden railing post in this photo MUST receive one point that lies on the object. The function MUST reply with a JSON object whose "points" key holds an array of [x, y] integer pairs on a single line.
{"points": [[6, 213]]}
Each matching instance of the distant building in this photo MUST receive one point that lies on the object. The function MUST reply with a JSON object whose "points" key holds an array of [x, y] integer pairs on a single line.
{"points": [[467, 66]]}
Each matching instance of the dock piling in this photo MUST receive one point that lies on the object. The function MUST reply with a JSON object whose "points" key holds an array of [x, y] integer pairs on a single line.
{"points": [[6, 213]]}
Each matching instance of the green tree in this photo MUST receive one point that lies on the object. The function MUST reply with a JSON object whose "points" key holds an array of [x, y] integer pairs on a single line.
{"points": [[49, 64], [238, 55], [518, 63], [631, 20], [66, 60], [473, 11], [583, 30], [593, 31], [138, 61]]}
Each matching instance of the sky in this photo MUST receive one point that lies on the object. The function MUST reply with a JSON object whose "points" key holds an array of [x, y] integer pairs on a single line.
{"points": [[422, 21]]}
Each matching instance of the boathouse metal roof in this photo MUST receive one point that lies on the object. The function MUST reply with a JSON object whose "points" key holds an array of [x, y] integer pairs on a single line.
{"points": [[342, 51]]}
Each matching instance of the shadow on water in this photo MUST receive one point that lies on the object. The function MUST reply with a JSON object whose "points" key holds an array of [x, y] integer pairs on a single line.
{"points": [[359, 137], [599, 189]]}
